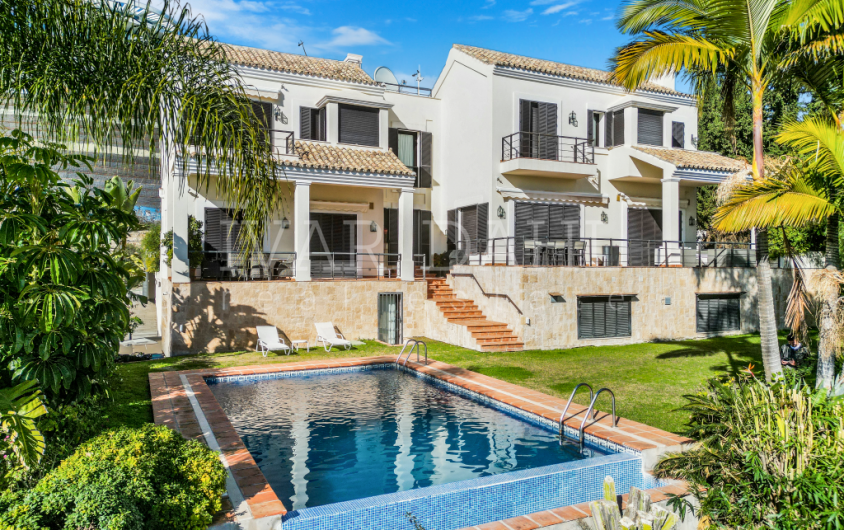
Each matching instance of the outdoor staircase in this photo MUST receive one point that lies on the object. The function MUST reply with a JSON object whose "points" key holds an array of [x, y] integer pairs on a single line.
{"points": [[490, 336]]}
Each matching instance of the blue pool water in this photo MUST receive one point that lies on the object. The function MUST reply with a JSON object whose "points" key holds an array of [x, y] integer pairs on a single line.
{"points": [[324, 439]]}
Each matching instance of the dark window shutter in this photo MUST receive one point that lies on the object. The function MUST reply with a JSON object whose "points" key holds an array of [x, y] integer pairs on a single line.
{"points": [[589, 127], [483, 226], [524, 115], [229, 231], [263, 114], [321, 128], [678, 134], [603, 317], [422, 234], [425, 160], [523, 214], [650, 127], [468, 236], [213, 231], [305, 132], [393, 140], [391, 233], [608, 129], [451, 230], [358, 125], [548, 131], [716, 313], [618, 127], [644, 232]]}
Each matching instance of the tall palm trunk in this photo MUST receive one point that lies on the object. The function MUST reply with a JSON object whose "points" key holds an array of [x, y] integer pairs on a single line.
{"points": [[767, 312], [829, 311]]}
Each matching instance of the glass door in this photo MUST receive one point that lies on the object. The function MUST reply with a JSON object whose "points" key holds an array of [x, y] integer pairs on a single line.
{"points": [[390, 318]]}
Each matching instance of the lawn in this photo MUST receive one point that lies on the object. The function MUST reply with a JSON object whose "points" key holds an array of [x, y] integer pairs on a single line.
{"points": [[649, 380]]}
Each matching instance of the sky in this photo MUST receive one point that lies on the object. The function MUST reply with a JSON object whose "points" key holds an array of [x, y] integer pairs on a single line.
{"points": [[405, 36]]}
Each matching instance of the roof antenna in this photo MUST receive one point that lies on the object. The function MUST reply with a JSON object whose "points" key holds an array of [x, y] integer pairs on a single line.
{"points": [[419, 78], [302, 44]]}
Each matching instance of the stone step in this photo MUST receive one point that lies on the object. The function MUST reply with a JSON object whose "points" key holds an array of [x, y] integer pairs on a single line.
{"points": [[503, 347], [492, 335], [442, 297], [457, 303], [486, 325], [508, 340], [466, 315]]}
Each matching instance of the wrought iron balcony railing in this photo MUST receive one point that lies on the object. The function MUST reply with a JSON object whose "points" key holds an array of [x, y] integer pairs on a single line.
{"points": [[547, 147]]}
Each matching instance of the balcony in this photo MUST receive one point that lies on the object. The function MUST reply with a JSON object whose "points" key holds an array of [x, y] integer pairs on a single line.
{"points": [[283, 142], [546, 155]]}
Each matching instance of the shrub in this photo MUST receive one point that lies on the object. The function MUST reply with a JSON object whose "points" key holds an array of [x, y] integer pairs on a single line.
{"points": [[151, 248], [767, 456], [148, 478], [195, 253]]}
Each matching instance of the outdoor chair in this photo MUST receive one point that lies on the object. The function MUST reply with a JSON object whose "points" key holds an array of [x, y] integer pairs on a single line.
{"points": [[268, 340], [329, 337]]}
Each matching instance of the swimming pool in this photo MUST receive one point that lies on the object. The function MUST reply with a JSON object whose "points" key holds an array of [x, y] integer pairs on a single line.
{"points": [[360, 447], [322, 439]]}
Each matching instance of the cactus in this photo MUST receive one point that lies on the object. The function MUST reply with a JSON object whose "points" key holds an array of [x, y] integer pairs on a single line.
{"points": [[639, 514]]}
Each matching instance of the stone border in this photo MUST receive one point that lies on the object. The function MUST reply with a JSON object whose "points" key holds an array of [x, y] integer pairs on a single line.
{"points": [[172, 407]]}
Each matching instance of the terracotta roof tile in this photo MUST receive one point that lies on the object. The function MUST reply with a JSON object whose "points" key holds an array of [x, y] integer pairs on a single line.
{"points": [[550, 67], [297, 64], [319, 155], [684, 158]]}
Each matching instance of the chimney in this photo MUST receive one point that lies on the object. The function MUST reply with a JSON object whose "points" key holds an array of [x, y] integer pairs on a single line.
{"points": [[665, 80], [354, 59]]}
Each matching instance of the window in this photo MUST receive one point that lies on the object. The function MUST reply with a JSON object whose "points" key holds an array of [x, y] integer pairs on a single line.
{"points": [[263, 111], [545, 222], [421, 233], [312, 124], [359, 125], [414, 150], [601, 317], [718, 312], [678, 134], [593, 127], [222, 229], [614, 128], [650, 127], [538, 129]]}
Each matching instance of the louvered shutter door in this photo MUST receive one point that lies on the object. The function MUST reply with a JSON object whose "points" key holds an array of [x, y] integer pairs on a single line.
{"points": [[391, 238], [305, 123], [547, 128], [321, 128], [425, 160], [556, 222], [585, 320], [589, 126], [483, 226], [636, 255], [358, 125], [571, 220], [393, 140], [608, 130], [230, 228], [468, 228], [650, 127], [263, 113], [622, 318], [451, 230], [618, 127], [678, 134], [702, 321], [523, 213], [425, 235], [213, 232], [603, 317]]}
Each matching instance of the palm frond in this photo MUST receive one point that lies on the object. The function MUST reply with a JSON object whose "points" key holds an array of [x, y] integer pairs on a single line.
{"points": [[772, 202], [659, 53], [819, 141], [669, 15]]}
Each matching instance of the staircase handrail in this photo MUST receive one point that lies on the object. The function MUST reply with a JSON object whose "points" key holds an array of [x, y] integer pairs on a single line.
{"points": [[488, 295]]}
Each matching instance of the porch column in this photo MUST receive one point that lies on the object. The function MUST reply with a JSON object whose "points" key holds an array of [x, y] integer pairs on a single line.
{"points": [[302, 230], [671, 218], [178, 204], [406, 233]]}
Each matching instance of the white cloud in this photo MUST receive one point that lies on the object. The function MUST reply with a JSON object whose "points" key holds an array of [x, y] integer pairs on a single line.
{"points": [[347, 36], [608, 17], [557, 8], [571, 13], [512, 15], [489, 3], [480, 18], [586, 21]]}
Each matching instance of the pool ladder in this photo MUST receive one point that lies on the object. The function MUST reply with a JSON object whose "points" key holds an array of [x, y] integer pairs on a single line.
{"points": [[593, 397], [415, 346]]}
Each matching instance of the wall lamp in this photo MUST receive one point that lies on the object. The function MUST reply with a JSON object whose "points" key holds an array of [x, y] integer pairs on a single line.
{"points": [[691, 221], [501, 213], [373, 226], [573, 119], [285, 224]]}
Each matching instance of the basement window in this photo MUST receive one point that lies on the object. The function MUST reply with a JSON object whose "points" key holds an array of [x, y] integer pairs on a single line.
{"points": [[557, 298], [718, 312]]}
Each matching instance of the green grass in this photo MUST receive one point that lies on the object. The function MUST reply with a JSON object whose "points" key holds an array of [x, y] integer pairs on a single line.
{"points": [[649, 380]]}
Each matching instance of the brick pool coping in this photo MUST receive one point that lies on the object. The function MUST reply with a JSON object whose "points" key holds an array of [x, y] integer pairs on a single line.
{"points": [[171, 407]]}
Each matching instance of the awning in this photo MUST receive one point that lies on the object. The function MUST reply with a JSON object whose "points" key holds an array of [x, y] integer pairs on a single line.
{"points": [[336, 206], [590, 199]]}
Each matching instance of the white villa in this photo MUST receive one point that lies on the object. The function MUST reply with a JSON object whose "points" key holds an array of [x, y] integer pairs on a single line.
{"points": [[565, 206]]}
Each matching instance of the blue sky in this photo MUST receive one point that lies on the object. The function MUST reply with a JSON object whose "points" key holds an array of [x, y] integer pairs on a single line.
{"points": [[407, 35]]}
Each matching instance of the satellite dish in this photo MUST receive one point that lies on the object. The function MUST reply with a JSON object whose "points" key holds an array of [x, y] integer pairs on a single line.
{"points": [[385, 75]]}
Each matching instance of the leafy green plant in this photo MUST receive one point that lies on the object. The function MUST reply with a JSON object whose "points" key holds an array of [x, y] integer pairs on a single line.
{"points": [[151, 248], [20, 439], [64, 279], [146, 478], [195, 253], [766, 456]]}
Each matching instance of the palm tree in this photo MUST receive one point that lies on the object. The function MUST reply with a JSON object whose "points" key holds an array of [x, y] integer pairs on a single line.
{"points": [[747, 43], [124, 74]]}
